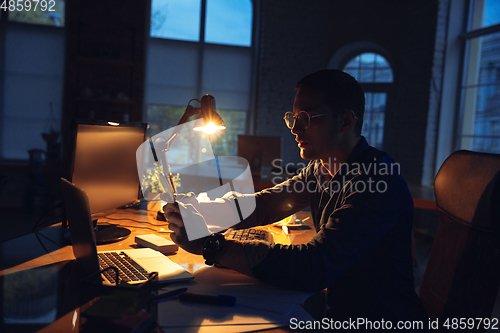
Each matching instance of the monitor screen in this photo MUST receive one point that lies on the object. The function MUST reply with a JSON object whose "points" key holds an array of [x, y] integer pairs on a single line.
{"points": [[104, 163]]}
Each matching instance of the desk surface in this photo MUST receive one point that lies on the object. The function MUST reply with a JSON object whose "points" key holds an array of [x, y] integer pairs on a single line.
{"points": [[26, 252], [48, 247]]}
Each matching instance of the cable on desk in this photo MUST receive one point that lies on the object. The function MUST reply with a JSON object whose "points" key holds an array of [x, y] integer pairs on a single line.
{"points": [[152, 215], [50, 240], [40, 241], [37, 224], [38, 234], [138, 227], [47, 221], [125, 219]]}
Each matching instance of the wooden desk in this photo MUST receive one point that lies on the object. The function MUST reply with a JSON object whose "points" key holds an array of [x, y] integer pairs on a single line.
{"points": [[26, 254]]}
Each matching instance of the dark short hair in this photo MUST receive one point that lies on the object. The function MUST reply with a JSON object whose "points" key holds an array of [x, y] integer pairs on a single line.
{"points": [[340, 90]]}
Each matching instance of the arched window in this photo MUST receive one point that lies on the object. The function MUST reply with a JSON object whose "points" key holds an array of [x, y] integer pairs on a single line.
{"points": [[374, 74]]}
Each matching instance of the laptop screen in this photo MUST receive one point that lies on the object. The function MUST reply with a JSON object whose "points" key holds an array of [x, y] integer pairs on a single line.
{"points": [[104, 162]]}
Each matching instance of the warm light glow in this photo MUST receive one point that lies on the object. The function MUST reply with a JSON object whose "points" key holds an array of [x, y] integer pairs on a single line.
{"points": [[75, 319], [210, 128], [112, 123]]}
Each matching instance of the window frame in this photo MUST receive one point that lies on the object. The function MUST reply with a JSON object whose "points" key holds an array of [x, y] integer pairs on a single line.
{"points": [[203, 46], [371, 87], [470, 40], [5, 23]]}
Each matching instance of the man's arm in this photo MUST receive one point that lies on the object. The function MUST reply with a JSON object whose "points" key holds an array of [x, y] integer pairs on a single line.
{"points": [[353, 224], [351, 231], [232, 254], [284, 199]]}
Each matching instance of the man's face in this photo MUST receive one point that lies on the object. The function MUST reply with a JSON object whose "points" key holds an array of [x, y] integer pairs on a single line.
{"points": [[321, 139]]}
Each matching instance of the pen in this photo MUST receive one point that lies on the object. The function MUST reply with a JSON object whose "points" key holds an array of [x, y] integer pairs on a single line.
{"points": [[208, 299], [171, 293]]}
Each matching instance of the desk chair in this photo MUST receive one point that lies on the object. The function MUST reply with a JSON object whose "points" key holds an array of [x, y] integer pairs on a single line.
{"points": [[463, 273]]}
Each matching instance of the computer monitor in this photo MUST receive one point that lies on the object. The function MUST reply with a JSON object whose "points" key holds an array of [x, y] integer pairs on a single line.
{"points": [[104, 166]]}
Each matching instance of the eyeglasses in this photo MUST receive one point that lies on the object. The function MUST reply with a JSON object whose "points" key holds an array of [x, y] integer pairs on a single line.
{"points": [[303, 117]]}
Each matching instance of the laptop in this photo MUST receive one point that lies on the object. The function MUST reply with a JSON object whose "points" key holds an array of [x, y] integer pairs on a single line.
{"points": [[144, 260]]}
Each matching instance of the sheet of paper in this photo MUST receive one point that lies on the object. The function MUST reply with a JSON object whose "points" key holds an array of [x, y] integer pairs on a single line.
{"points": [[245, 296], [176, 316], [248, 291], [258, 306], [247, 286], [221, 329]]}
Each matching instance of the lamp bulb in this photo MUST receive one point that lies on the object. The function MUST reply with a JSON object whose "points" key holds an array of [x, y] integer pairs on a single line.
{"points": [[210, 128]]}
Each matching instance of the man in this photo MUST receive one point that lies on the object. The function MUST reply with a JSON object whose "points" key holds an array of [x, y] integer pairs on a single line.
{"points": [[361, 207]]}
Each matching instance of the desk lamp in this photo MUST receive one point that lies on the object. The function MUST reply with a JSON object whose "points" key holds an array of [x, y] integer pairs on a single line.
{"points": [[213, 122]]}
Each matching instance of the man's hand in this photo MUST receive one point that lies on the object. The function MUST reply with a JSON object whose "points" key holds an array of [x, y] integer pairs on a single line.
{"points": [[233, 255], [176, 224]]}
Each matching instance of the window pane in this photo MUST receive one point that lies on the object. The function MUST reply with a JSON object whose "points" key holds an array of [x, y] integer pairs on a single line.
{"points": [[226, 76], [353, 72], [383, 75], [369, 67], [491, 13], [373, 122], [34, 67], [366, 75], [229, 22], [368, 60], [380, 62], [224, 143], [171, 72], [176, 19], [164, 117], [354, 63], [481, 107], [46, 12]]}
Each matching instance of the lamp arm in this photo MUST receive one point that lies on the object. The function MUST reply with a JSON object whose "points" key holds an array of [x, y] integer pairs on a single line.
{"points": [[206, 111], [164, 147], [190, 111]]}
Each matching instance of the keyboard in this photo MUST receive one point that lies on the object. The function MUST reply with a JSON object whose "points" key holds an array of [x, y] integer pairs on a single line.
{"points": [[128, 269], [249, 234]]}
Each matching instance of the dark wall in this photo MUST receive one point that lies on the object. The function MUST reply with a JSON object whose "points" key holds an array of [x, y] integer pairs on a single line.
{"points": [[299, 37]]}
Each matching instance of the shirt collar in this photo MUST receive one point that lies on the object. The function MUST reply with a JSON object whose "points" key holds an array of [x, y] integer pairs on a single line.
{"points": [[362, 145], [323, 176]]}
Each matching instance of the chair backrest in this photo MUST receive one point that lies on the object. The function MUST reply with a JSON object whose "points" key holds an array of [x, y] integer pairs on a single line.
{"points": [[462, 276]]}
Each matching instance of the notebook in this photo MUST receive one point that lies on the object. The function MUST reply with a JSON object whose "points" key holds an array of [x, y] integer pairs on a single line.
{"points": [[85, 249]]}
